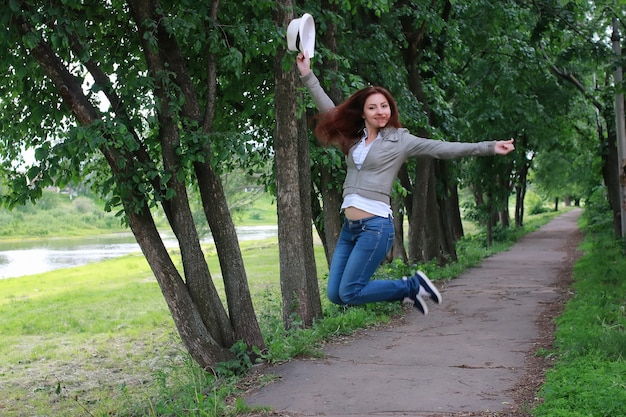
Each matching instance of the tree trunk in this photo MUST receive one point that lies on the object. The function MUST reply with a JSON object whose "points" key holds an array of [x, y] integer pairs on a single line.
{"points": [[504, 217], [331, 206], [450, 205], [313, 304], [610, 173], [522, 181], [426, 232], [294, 229], [454, 211], [199, 280], [398, 250], [238, 298], [240, 308], [520, 193], [205, 350], [490, 231]]}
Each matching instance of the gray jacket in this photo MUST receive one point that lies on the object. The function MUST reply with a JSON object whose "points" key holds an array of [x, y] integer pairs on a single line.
{"points": [[385, 158]]}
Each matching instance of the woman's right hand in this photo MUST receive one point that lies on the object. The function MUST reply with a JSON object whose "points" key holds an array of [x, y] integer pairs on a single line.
{"points": [[304, 63]]}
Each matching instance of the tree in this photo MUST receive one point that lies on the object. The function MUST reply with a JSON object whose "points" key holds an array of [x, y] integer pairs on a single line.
{"points": [[298, 273], [574, 42], [129, 89]]}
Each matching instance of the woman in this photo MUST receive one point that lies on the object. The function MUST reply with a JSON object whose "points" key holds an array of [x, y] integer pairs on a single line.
{"points": [[367, 129]]}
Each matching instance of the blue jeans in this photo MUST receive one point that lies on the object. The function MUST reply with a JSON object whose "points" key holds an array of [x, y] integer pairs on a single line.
{"points": [[362, 246]]}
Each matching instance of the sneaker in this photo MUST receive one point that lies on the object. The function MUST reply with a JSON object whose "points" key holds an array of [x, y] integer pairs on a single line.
{"points": [[417, 302], [427, 288]]}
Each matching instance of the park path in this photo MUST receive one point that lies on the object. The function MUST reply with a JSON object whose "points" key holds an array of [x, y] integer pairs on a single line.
{"points": [[468, 357]]}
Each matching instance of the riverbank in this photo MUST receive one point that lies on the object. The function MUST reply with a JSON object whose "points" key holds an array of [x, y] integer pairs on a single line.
{"points": [[63, 232], [58, 215], [34, 256]]}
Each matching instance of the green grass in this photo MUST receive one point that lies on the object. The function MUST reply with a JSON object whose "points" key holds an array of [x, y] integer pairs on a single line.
{"points": [[73, 330], [589, 378]]}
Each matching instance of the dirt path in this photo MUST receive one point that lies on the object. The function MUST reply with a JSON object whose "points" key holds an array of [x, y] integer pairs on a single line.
{"points": [[472, 356]]}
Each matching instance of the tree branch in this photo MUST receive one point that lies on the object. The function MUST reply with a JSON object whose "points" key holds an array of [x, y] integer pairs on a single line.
{"points": [[566, 75]]}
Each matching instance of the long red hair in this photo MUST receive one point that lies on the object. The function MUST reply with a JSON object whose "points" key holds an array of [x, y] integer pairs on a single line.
{"points": [[343, 125]]}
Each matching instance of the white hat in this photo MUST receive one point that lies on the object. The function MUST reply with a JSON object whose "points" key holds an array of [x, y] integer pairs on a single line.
{"points": [[301, 34]]}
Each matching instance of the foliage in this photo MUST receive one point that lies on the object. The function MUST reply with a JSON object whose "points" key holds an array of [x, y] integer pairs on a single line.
{"points": [[58, 214], [185, 389], [535, 203], [590, 347], [597, 211]]}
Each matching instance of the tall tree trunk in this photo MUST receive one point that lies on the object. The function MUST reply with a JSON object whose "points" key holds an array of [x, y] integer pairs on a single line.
{"points": [[294, 230], [398, 251], [240, 308], [450, 205], [520, 193], [242, 324], [610, 173], [524, 164], [505, 217], [332, 220], [239, 300], [313, 304]]}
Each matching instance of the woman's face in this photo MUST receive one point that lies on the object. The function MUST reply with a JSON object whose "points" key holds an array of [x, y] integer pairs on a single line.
{"points": [[376, 112]]}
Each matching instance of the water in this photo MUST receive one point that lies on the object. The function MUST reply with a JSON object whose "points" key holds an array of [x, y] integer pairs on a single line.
{"points": [[42, 255]]}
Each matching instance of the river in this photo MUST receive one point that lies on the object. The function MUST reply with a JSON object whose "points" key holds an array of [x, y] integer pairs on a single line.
{"points": [[35, 256]]}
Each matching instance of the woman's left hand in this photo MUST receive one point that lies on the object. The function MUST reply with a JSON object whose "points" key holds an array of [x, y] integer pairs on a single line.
{"points": [[504, 146], [304, 63]]}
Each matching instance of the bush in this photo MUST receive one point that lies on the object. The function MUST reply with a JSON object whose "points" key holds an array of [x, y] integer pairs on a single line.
{"points": [[84, 205], [535, 204]]}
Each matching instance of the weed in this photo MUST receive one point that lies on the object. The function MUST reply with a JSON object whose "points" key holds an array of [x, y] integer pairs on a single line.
{"points": [[240, 364]]}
